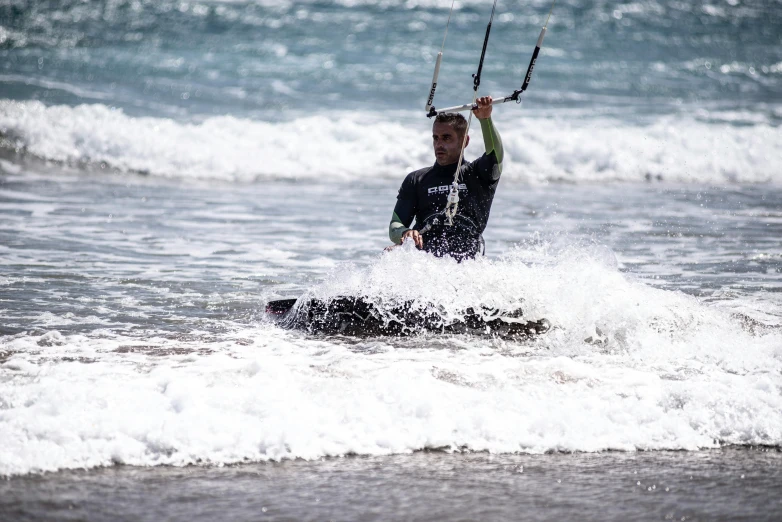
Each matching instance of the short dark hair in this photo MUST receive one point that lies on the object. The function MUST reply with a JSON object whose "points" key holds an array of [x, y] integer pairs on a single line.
{"points": [[454, 119]]}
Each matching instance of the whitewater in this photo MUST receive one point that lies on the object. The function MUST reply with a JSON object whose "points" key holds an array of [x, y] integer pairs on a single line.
{"points": [[566, 146], [152, 347]]}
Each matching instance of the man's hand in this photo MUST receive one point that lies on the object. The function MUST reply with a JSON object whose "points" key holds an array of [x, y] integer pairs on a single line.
{"points": [[417, 238], [484, 108]]}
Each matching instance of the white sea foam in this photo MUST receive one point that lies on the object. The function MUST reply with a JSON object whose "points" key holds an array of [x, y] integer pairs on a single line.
{"points": [[703, 148], [667, 372]]}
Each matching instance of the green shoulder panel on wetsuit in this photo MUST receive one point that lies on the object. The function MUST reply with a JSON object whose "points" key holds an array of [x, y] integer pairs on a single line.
{"points": [[395, 229], [492, 141]]}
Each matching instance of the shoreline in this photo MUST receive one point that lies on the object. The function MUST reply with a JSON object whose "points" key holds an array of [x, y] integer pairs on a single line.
{"points": [[728, 483]]}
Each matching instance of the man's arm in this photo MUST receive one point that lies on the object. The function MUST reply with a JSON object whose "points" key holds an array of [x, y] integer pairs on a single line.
{"points": [[398, 231], [491, 138], [397, 228], [404, 211], [492, 141]]}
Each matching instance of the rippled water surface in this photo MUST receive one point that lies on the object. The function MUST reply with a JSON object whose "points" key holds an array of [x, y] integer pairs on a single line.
{"points": [[86, 252], [212, 57]]}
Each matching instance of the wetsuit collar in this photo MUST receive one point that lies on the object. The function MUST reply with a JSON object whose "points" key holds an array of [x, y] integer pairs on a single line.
{"points": [[446, 168]]}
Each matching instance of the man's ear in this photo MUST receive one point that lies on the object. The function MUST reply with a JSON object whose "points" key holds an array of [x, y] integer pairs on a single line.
{"points": [[467, 141]]}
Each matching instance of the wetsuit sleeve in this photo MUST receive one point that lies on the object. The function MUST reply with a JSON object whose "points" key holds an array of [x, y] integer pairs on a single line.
{"points": [[490, 164], [404, 211]]}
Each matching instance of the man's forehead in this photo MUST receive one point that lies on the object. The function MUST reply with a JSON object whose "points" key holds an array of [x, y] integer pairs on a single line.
{"points": [[443, 128]]}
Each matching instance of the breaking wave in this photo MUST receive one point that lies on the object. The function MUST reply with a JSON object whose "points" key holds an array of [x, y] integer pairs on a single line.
{"points": [[565, 147]]}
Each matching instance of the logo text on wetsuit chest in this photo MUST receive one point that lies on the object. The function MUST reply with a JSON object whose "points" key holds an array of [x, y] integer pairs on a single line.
{"points": [[445, 188]]}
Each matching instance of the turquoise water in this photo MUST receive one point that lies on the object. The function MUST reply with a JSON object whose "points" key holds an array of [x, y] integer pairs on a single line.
{"points": [[271, 59]]}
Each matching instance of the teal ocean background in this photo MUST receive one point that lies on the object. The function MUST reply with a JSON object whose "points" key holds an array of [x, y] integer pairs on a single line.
{"points": [[271, 59], [622, 90]]}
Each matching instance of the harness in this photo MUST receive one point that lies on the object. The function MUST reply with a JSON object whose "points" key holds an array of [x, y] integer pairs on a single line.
{"points": [[459, 239]]}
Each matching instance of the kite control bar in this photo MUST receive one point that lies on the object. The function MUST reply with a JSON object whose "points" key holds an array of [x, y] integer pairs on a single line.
{"points": [[512, 97]]}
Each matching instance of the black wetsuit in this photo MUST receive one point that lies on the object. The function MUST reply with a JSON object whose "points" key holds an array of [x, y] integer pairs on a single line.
{"points": [[424, 196]]}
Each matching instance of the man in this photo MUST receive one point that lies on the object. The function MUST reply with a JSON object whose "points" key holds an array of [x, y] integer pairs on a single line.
{"points": [[424, 193]]}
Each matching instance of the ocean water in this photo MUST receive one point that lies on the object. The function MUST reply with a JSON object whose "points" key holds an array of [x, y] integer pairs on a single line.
{"points": [[167, 168]]}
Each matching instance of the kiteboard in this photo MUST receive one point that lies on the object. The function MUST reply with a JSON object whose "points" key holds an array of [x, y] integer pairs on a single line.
{"points": [[358, 316]]}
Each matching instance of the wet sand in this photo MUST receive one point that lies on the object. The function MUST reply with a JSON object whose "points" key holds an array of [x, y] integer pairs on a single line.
{"points": [[726, 484]]}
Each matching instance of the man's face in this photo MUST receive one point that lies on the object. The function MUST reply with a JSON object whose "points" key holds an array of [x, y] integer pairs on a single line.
{"points": [[447, 143]]}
